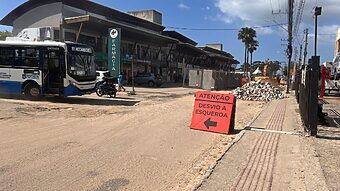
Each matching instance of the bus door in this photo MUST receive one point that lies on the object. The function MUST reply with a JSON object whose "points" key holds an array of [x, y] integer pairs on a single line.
{"points": [[52, 71]]}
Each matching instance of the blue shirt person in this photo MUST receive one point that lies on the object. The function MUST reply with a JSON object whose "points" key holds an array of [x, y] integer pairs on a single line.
{"points": [[120, 80]]}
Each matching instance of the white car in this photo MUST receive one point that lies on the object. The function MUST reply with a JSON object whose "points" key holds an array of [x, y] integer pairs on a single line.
{"points": [[100, 75]]}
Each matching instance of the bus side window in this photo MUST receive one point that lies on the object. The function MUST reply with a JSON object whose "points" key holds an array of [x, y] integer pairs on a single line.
{"points": [[26, 57], [18, 54], [6, 56], [32, 57]]}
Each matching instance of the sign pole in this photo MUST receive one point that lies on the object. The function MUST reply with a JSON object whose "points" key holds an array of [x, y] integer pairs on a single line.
{"points": [[184, 67], [133, 76], [317, 12]]}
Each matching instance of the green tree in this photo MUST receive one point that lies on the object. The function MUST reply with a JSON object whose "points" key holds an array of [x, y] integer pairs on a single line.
{"points": [[273, 67], [255, 65], [252, 47], [246, 35], [4, 34]]}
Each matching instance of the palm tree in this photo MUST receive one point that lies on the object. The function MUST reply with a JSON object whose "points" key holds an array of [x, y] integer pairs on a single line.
{"points": [[252, 48], [246, 35]]}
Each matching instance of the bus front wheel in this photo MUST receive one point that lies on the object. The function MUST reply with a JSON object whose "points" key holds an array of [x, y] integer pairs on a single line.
{"points": [[32, 91]]}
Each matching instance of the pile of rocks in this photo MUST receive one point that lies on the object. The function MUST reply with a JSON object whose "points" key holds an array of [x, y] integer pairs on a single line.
{"points": [[257, 91]]}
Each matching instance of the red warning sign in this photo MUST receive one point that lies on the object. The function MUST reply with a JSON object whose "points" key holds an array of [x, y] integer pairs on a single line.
{"points": [[214, 112]]}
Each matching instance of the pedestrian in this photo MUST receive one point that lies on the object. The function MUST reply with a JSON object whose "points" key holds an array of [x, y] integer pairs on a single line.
{"points": [[120, 80]]}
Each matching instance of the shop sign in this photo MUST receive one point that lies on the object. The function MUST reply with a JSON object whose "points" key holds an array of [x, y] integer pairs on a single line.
{"points": [[114, 51]]}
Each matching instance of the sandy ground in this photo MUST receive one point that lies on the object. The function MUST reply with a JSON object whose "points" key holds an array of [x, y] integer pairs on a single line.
{"points": [[90, 143]]}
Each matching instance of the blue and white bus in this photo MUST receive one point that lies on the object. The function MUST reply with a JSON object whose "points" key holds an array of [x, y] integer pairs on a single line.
{"points": [[40, 68]]}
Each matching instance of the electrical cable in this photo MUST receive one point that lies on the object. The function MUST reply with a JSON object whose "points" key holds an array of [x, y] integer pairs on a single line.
{"points": [[224, 29]]}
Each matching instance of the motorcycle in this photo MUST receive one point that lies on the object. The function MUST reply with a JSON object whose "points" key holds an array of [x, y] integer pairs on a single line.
{"points": [[104, 88]]}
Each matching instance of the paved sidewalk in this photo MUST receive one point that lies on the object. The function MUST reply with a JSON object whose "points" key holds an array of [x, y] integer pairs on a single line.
{"points": [[327, 143], [271, 157]]}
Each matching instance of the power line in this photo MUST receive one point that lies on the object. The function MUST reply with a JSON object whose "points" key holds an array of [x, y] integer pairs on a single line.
{"points": [[279, 6], [271, 5], [326, 34], [225, 29], [298, 17], [322, 34]]}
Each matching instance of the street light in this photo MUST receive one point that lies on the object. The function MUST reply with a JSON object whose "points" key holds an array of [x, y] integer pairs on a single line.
{"points": [[317, 12]]}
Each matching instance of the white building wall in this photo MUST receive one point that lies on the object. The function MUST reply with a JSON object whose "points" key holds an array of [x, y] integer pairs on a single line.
{"points": [[46, 15]]}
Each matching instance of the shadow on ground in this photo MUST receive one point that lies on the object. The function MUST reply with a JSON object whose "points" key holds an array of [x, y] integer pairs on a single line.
{"points": [[80, 100], [332, 130], [113, 185]]}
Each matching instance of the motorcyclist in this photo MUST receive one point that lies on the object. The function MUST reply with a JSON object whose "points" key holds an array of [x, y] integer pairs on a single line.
{"points": [[106, 87]]}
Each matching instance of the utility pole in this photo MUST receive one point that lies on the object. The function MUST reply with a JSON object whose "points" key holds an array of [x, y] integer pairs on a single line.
{"points": [[290, 39], [306, 47], [297, 78], [295, 56], [294, 68], [300, 57]]}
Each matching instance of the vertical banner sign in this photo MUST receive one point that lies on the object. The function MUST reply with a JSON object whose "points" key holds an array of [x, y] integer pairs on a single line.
{"points": [[114, 51], [214, 112]]}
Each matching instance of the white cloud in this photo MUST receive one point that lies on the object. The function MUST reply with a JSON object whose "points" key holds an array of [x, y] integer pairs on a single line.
{"points": [[326, 34], [207, 8], [183, 6], [259, 12], [255, 12], [218, 17], [264, 31]]}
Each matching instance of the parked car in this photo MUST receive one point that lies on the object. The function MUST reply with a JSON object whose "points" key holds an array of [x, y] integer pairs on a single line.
{"points": [[149, 79]]}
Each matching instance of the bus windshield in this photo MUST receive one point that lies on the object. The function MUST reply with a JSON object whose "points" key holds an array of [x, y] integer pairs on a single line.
{"points": [[81, 65]]}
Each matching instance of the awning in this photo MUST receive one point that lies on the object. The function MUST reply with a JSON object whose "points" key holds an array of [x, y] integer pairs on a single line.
{"points": [[220, 57], [128, 31], [186, 48], [86, 6], [179, 37]]}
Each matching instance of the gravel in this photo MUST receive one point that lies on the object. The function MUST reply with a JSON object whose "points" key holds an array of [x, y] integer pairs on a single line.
{"points": [[258, 91]]}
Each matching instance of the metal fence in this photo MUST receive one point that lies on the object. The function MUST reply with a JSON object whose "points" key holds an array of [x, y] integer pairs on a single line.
{"points": [[307, 87]]}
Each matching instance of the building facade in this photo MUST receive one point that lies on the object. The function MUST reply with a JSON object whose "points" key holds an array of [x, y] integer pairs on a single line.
{"points": [[143, 36]]}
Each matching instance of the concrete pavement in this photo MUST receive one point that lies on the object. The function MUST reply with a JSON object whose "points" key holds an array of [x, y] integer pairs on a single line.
{"points": [[273, 155]]}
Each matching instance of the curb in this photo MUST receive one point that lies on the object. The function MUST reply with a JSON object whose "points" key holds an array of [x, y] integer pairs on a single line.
{"points": [[237, 139]]}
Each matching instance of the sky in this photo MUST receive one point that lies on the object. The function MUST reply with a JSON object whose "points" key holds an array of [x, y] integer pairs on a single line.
{"points": [[235, 14]]}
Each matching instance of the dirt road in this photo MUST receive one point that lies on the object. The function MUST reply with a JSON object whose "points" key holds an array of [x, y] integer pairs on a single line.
{"points": [[89, 143]]}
